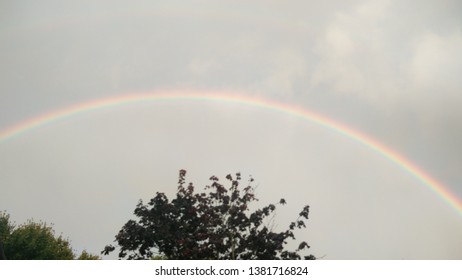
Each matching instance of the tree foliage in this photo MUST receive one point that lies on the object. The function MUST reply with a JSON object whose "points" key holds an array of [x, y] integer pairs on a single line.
{"points": [[34, 241], [88, 256], [214, 224], [6, 227]]}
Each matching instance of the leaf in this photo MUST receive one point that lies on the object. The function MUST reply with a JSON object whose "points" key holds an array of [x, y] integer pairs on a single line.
{"points": [[303, 245]]}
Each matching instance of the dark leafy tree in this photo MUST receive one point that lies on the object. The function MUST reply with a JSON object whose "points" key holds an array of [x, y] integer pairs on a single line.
{"points": [[214, 224]]}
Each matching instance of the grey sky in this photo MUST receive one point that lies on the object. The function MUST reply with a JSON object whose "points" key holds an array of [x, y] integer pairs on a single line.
{"points": [[387, 68]]}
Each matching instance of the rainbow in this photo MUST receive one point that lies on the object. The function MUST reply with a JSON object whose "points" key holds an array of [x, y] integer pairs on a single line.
{"points": [[39, 121]]}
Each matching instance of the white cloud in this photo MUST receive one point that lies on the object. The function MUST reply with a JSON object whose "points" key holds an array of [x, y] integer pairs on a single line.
{"points": [[354, 54], [437, 62], [338, 42]]}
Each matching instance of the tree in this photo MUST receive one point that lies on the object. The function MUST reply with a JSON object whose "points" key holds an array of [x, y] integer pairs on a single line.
{"points": [[87, 256], [5, 230], [214, 224], [34, 241], [2, 253]]}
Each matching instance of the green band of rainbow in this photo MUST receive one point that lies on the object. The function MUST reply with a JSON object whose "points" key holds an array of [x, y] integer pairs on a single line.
{"points": [[439, 189]]}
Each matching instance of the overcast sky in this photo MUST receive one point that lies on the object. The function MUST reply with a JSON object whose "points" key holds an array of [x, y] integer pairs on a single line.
{"points": [[390, 69]]}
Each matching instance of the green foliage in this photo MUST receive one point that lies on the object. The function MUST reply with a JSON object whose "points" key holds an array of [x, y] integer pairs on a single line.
{"points": [[87, 256], [214, 224], [35, 241], [6, 227]]}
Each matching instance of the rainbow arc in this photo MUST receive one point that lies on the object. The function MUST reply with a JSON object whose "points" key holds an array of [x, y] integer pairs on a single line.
{"points": [[439, 189]]}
